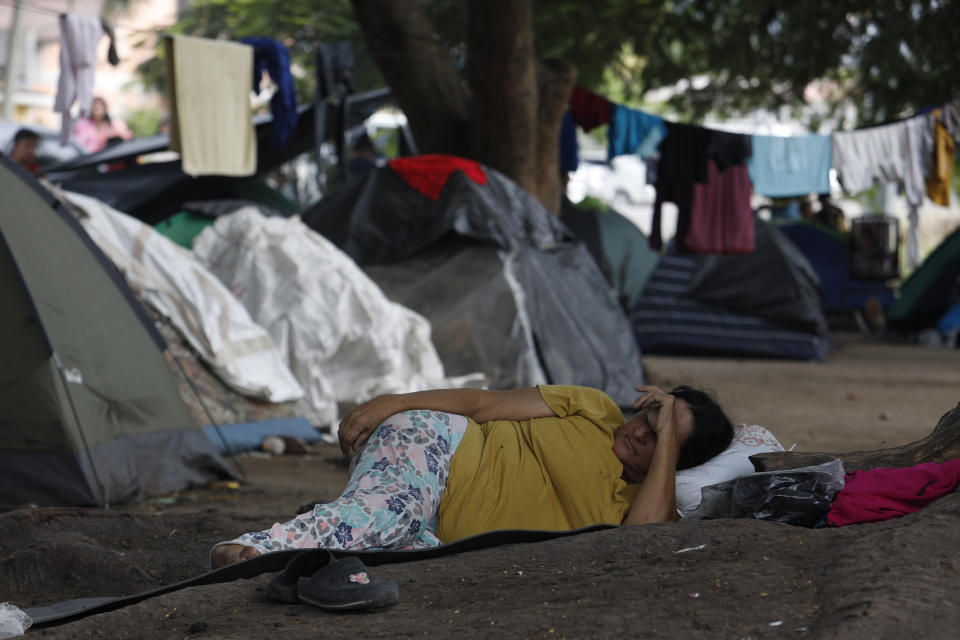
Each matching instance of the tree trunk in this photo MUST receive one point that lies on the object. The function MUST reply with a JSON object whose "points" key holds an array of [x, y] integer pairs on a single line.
{"points": [[508, 117], [420, 72], [555, 81], [502, 72], [941, 445]]}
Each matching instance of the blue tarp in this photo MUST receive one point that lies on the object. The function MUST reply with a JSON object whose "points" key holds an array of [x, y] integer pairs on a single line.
{"points": [[250, 435], [827, 253], [950, 320]]}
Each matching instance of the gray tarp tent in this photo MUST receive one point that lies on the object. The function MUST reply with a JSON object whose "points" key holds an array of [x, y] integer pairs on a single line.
{"points": [[506, 287], [89, 411]]}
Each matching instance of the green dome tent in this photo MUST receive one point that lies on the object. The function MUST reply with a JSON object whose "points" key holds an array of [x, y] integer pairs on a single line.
{"points": [[620, 248], [926, 295], [89, 411]]}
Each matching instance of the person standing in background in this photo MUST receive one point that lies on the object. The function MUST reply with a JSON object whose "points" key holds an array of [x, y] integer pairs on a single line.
{"points": [[93, 133], [830, 215]]}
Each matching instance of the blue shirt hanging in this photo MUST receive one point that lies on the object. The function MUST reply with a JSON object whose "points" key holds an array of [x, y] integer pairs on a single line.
{"points": [[272, 55], [633, 131], [569, 148], [793, 166]]}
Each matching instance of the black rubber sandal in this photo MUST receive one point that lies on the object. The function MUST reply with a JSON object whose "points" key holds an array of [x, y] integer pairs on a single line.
{"points": [[283, 586], [345, 585]]}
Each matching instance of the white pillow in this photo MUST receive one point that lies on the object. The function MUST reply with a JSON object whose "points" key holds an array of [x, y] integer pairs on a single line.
{"points": [[732, 463]]}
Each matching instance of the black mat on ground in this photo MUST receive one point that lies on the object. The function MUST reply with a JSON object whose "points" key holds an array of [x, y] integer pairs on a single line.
{"points": [[70, 610]]}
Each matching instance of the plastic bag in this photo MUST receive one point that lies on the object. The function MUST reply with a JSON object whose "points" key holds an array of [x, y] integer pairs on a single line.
{"points": [[13, 621], [794, 496]]}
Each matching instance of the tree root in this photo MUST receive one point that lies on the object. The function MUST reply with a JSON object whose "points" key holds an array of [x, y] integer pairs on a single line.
{"points": [[941, 445]]}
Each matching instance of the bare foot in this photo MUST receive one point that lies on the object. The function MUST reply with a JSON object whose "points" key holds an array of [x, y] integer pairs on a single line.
{"points": [[229, 553]]}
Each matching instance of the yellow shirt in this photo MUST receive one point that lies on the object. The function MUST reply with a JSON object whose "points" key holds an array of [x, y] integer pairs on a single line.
{"points": [[556, 473]]}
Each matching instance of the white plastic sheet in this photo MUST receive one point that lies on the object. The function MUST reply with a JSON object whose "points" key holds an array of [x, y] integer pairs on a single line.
{"points": [[13, 621], [171, 280], [344, 340]]}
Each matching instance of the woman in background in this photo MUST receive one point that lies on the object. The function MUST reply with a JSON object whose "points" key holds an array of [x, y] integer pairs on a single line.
{"points": [[94, 132]]}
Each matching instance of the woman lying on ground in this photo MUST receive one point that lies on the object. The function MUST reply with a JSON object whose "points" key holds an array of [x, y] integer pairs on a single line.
{"points": [[438, 466]]}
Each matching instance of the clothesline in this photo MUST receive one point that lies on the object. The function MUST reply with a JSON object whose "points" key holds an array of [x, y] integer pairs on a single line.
{"points": [[703, 170], [636, 131], [924, 112]]}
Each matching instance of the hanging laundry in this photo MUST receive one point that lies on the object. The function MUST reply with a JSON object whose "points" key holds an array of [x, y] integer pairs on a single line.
{"points": [[790, 166], [589, 109], [881, 494], [683, 153], [79, 37], [888, 153], [683, 161], [920, 137], [941, 167], [210, 119], [112, 56], [729, 149], [679, 193], [272, 56], [633, 131], [951, 119], [712, 217], [721, 219], [569, 147], [429, 173], [900, 152], [713, 204]]}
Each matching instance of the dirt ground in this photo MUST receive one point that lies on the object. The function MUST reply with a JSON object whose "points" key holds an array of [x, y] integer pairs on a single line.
{"points": [[750, 579]]}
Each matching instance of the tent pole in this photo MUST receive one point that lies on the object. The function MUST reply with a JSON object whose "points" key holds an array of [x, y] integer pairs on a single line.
{"points": [[101, 489], [320, 117]]}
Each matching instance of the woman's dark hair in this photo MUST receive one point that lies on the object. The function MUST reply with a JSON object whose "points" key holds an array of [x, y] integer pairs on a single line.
{"points": [[106, 109], [712, 431]]}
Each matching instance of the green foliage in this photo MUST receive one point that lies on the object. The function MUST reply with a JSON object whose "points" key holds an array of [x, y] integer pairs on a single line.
{"points": [[592, 205], [144, 122], [621, 78], [387, 141], [887, 59], [955, 178], [589, 35], [593, 35]]}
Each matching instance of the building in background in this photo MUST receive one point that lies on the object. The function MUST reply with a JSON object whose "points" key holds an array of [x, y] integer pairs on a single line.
{"points": [[141, 21]]}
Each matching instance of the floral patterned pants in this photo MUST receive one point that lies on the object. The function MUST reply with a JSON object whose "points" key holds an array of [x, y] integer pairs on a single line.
{"points": [[392, 498]]}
